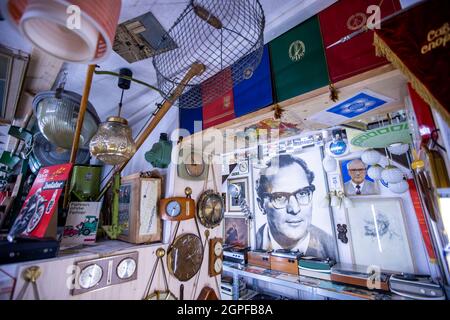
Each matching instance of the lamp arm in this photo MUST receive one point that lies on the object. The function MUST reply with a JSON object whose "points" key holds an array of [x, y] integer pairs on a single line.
{"points": [[195, 70], [111, 73]]}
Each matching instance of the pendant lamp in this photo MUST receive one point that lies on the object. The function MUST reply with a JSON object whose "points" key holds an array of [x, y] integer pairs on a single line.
{"points": [[374, 172], [370, 157], [399, 188], [398, 148], [113, 143], [392, 174], [71, 30]]}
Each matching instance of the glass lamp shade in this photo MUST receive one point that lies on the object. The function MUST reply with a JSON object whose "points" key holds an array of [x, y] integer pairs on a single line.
{"points": [[335, 201], [113, 143], [57, 118], [398, 148], [400, 187], [374, 172], [370, 157], [392, 174]]}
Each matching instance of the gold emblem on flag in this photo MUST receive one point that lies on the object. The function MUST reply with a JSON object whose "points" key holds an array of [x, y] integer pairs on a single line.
{"points": [[356, 21], [297, 50]]}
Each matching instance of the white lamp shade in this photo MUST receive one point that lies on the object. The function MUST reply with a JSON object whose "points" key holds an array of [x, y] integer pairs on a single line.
{"points": [[329, 164], [374, 172], [400, 187], [392, 174], [398, 148], [370, 157]]}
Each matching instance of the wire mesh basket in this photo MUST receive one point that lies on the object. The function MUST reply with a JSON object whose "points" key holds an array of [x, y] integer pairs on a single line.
{"points": [[224, 35]]}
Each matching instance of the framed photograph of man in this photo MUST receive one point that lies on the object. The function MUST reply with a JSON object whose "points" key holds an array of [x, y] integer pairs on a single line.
{"points": [[379, 234], [236, 231], [355, 179], [233, 203], [287, 211]]}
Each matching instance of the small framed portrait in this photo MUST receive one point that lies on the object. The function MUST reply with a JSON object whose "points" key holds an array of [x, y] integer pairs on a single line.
{"points": [[233, 202], [355, 180], [236, 231]]}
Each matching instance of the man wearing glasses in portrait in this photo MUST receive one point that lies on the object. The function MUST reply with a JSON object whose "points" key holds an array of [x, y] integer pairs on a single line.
{"points": [[285, 191], [358, 185]]}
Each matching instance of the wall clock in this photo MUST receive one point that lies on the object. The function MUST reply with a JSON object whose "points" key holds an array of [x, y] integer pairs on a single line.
{"points": [[99, 273], [215, 256], [185, 256], [177, 208], [210, 209], [192, 165]]}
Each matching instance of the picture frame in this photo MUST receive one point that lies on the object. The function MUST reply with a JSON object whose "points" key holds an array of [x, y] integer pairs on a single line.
{"points": [[357, 189], [138, 209], [232, 202], [236, 231], [379, 234]]}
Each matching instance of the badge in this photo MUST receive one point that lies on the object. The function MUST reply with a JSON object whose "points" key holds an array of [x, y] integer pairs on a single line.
{"points": [[297, 50], [356, 21]]}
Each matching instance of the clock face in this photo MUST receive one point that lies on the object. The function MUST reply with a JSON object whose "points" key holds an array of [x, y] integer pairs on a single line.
{"points": [[210, 209], [243, 167], [194, 164], [90, 276], [218, 265], [173, 208], [218, 248], [126, 268], [185, 256]]}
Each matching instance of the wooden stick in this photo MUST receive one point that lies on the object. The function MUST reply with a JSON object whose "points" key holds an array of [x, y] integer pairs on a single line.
{"points": [[195, 70], [80, 120]]}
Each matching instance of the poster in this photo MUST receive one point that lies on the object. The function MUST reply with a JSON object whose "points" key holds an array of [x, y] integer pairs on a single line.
{"points": [[39, 207], [82, 223], [286, 195]]}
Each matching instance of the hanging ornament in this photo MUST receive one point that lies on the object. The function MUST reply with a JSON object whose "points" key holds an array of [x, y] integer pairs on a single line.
{"points": [[329, 164], [392, 174], [400, 187], [334, 93], [277, 111], [374, 172], [398, 148], [371, 157]]}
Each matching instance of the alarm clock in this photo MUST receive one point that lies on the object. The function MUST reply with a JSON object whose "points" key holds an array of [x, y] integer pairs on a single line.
{"points": [[177, 208], [215, 256]]}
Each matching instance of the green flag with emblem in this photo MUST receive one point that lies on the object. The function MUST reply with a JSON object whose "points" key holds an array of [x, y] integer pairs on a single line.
{"points": [[298, 60]]}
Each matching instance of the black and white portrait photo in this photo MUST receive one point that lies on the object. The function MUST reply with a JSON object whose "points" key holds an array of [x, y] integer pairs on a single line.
{"points": [[287, 193]]}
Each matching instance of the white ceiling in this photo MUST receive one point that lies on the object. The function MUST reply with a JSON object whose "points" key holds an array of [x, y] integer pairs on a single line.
{"points": [[139, 102]]}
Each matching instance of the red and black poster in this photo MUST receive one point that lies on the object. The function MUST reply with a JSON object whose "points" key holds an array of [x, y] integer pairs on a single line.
{"points": [[38, 210]]}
